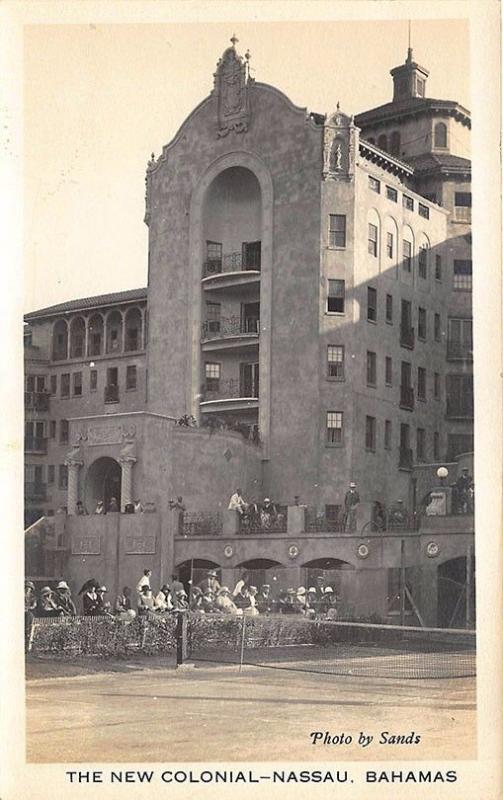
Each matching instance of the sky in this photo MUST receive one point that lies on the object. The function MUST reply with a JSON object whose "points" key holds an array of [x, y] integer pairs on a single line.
{"points": [[99, 98]]}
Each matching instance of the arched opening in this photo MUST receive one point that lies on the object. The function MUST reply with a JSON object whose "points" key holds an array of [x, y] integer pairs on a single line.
{"points": [[394, 143], [114, 332], [262, 571], [456, 593], [382, 142], [194, 571], [60, 341], [440, 135], [103, 481], [77, 337], [133, 330], [95, 347]]}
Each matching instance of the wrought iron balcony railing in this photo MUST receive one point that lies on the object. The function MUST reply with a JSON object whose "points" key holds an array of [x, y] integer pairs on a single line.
{"points": [[318, 522], [34, 490], [258, 520], [35, 444], [232, 388], [405, 457], [111, 394], [407, 337], [232, 262], [37, 401], [230, 326], [407, 398], [195, 523], [459, 351]]}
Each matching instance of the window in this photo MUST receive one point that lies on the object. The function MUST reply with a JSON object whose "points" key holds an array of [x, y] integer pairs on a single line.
{"points": [[52, 429], [54, 384], [93, 380], [423, 211], [371, 368], [337, 230], [370, 433], [421, 323], [131, 377], [391, 194], [420, 86], [65, 384], [382, 141], [371, 304], [212, 375], [460, 339], [463, 275], [95, 344], [387, 434], [30, 383], [459, 396], [440, 135], [388, 371], [336, 296], [63, 476], [408, 202], [458, 443], [374, 184], [436, 446], [389, 245], [389, 308], [27, 338], [421, 444], [63, 431], [423, 261], [463, 199], [77, 384], [394, 143], [421, 383], [251, 255], [213, 311], [407, 256], [372, 240], [50, 473], [436, 385], [335, 359], [437, 327], [334, 427], [114, 339], [438, 268]]}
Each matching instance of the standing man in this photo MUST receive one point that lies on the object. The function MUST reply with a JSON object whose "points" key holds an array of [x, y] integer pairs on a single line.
{"points": [[351, 502], [144, 581]]}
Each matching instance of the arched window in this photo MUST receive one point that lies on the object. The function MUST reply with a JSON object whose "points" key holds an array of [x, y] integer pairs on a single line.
{"points": [[60, 340], [77, 337], [382, 142], [395, 143], [133, 329], [114, 332], [95, 347], [440, 136]]}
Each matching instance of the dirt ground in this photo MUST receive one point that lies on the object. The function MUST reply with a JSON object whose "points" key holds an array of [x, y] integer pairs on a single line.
{"points": [[146, 711]]}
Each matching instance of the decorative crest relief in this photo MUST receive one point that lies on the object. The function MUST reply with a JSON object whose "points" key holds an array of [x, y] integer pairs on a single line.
{"points": [[231, 90], [340, 144]]}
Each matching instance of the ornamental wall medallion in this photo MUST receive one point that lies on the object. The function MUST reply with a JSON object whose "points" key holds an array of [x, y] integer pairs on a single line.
{"points": [[432, 549], [293, 551], [228, 551], [362, 551], [231, 90]]}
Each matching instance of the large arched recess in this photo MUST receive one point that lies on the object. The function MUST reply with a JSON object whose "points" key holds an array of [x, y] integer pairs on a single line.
{"points": [[194, 570], [103, 481], [329, 569], [262, 571], [254, 164]]}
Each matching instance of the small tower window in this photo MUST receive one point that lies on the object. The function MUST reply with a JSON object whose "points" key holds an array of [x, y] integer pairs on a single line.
{"points": [[440, 135]]}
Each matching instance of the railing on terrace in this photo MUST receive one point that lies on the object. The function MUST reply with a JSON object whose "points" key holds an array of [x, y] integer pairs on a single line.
{"points": [[38, 401], [35, 490], [230, 326], [407, 397], [230, 388], [111, 394], [258, 522], [405, 458], [318, 522], [35, 444], [198, 523], [232, 262], [459, 350], [407, 337]]}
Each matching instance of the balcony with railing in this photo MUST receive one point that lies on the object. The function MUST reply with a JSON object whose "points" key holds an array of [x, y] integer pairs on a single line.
{"points": [[112, 394], [35, 444], [407, 398], [405, 458], [459, 351], [34, 490], [200, 523], [230, 331], [319, 522], [232, 393], [36, 401], [407, 338]]}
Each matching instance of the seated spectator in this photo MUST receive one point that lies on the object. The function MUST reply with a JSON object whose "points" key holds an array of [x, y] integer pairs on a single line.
{"points": [[144, 580], [378, 517], [177, 504], [63, 599], [196, 600], [129, 508], [312, 602], [46, 606], [100, 507], [263, 599], [208, 601], [113, 506], [145, 600], [162, 600], [210, 582], [224, 602], [463, 486], [90, 598], [102, 604], [287, 602], [242, 582], [267, 513], [398, 516], [252, 610], [181, 600], [237, 503], [123, 607], [80, 509], [301, 600], [252, 515], [242, 600], [138, 507], [328, 601]]}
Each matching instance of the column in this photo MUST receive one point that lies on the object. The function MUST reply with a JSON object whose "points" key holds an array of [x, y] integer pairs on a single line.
{"points": [[126, 480], [86, 338], [73, 485], [68, 338]]}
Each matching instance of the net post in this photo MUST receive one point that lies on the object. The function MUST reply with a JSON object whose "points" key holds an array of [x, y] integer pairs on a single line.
{"points": [[241, 655], [402, 582], [181, 638]]}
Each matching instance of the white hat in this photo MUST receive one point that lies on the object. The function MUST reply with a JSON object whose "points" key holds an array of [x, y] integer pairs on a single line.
{"points": [[311, 590], [329, 590], [103, 589], [301, 590], [267, 500], [62, 585], [352, 485]]}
